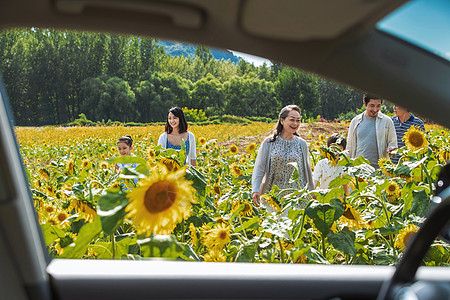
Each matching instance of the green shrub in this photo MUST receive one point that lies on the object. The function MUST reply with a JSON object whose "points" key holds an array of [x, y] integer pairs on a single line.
{"points": [[261, 119], [194, 115]]}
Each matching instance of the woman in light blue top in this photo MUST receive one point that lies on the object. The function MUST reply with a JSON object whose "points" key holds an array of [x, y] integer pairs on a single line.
{"points": [[277, 156], [176, 132]]}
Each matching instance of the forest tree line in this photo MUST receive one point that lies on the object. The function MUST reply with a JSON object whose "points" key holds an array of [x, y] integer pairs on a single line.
{"points": [[53, 76]]}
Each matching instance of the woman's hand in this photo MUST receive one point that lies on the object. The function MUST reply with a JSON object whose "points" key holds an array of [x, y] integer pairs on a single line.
{"points": [[255, 197]]}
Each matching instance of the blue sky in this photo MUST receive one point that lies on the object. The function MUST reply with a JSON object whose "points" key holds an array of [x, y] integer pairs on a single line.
{"points": [[423, 22]]}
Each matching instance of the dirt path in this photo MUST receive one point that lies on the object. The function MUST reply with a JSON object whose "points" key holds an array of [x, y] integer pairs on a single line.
{"points": [[308, 131]]}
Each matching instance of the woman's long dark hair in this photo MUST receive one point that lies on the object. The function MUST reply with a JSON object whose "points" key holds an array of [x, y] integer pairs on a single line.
{"points": [[283, 114], [177, 112]]}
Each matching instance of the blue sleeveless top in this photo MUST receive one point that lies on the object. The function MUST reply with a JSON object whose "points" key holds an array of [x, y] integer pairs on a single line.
{"points": [[178, 148]]}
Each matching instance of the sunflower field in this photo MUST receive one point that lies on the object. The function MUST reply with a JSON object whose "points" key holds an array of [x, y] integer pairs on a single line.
{"points": [[158, 208]]}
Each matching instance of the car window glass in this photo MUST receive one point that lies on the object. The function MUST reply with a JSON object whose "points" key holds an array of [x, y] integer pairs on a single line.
{"points": [[76, 96], [424, 23]]}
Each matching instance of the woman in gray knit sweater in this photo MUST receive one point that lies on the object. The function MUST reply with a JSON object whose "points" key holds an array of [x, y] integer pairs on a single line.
{"points": [[278, 154]]}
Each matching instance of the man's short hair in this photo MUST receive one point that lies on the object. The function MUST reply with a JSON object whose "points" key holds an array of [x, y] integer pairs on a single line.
{"points": [[368, 96]]}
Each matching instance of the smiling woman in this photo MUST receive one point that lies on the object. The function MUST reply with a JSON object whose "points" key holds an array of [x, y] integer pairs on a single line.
{"points": [[61, 207]]}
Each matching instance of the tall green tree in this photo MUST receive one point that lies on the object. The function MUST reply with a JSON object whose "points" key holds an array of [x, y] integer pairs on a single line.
{"points": [[208, 95], [297, 87]]}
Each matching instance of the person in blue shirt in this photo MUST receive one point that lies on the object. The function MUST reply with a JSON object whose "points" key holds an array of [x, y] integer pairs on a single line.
{"points": [[125, 146], [403, 120], [176, 132]]}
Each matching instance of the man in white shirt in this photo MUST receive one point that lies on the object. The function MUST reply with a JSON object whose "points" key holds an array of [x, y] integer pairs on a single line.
{"points": [[371, 133]]}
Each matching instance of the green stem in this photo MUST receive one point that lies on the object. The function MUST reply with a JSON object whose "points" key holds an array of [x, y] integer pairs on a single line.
{"points": [[283, 260], [324, 250], [243, 229], [430, 181], [182, 231], [302, 222], [113, 242]]}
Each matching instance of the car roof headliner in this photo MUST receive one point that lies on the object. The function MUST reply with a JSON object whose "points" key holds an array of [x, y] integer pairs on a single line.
{"points": [[335, 39]]}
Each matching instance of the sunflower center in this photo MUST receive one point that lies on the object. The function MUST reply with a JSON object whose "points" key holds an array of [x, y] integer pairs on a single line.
{"points": [[223, 235], [416, 139], [62, 217], [392, 188], [349, 215], [160, 196]]}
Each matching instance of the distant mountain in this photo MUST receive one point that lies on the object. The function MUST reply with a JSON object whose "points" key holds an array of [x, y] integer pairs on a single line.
{"points": [[188, 50]]}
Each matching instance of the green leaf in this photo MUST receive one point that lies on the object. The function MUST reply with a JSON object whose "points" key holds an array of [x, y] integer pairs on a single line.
{"points": [[165, 246], [246, 254], [87, 233], [340, 181], [198, 180], [278, 228], [104, 249], [391, 229], [141, 164], [315, 256], [343, 241], [189, 253], [324, 215], [295, 175], [421, 203], [333, 193], [51, 233], [111, 209], [253, 223]]}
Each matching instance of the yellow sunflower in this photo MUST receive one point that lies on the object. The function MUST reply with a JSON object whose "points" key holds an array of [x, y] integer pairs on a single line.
{"points": [[444, 155], [407, 178], [62, 216], [321, 138], [233, 149], [220, 220], [302, 259], [328, 154], [415, 140], [405, 235], [44, 174], [393, 189], [160, 202], [104, 165], [151, 154], [202, 141], [70, 167], [271, 202], [247, 211], [83, 209], [193, 232], [86, 163], [49, 209], [251, 147], [170, 164], [214, 144], [215, 256], [115, 185], [217, 190], [217, 237], [352, 218], [386, 166], [235, 170]]}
